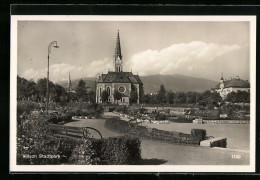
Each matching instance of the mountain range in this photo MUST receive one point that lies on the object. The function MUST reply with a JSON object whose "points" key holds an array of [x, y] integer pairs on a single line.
{"points": [[174, 82]]}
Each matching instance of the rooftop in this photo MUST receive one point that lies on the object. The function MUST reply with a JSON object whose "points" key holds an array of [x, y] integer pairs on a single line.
{"points": [[236, 82], [119, 77]]}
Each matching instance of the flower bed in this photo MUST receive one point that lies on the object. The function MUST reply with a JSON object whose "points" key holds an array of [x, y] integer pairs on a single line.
{"points": [[36, 145], [118, 125]]}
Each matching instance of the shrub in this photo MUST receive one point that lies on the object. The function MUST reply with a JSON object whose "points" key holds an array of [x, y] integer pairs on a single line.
{"points": [[159, 116], [26, 107], [111, 151], [198, 134], [85, 153], [118, 150], [83, 109], [122, 109], [34, 138], [58, 119], [222, 143]]}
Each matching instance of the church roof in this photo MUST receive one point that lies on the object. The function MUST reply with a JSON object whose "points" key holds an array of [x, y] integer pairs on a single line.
{"points": [[119, 77], [236, 82]]}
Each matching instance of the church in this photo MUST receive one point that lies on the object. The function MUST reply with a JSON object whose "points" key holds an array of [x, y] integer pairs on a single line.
{"points": [[118, 80], [232, 85]]}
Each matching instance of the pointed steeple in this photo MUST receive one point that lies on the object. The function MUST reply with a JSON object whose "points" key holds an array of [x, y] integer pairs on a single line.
{"points": [[69, 83], [118, 63], [118, 47]]}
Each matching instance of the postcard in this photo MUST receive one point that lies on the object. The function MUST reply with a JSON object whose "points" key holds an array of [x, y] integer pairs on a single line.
{"points": [[132, 93]]}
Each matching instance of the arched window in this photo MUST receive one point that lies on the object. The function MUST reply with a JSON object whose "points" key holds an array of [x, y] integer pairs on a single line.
{"points": [[119, 69], [108, 91], [100, 91]]}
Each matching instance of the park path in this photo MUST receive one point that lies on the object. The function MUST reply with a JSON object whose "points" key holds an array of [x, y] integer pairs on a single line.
{"points": [[156, 152]]}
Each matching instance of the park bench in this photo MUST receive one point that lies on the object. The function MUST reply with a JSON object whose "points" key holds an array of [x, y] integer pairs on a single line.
{"points": [[76, 133]]}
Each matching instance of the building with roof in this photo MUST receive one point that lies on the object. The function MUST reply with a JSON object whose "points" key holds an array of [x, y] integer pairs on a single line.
{"points": [[224, 87], [118, 80]]}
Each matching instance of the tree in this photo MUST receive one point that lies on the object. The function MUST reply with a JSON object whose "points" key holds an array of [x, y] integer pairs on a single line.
{"points": [[117, 95], [59, 91], [170, 97], [104, 96], [133, 96], [180, 98], [31, 90], [81, 91], [232, 97], [216, 98], [42, 87], [21, 87], [153, 99], [206, 98], [147, 99], [191, 97], [161, 94], [199, 98], [26, 89], [92, 96], [243, 96]]}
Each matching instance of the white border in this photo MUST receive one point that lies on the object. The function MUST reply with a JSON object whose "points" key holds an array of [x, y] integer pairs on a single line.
{"points": [[128, 168]]}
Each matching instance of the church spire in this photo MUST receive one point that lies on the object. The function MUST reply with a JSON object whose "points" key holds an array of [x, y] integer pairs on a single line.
{"points": [[118, 47], [69, 83], [118, 63]]}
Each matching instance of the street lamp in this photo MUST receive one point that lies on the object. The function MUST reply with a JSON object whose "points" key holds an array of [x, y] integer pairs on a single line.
{"points": [[52, 44]]}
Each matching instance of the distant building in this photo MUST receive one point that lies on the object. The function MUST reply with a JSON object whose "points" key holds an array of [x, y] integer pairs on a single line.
{"points": [[69, 86], [124, 82], [232, 85]]}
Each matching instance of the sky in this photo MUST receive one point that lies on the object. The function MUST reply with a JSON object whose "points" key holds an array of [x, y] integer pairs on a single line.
{"points": [[198, 49]]}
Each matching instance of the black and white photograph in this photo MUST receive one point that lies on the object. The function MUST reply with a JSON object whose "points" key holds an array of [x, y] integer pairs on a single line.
{"points": [[132, 93]]}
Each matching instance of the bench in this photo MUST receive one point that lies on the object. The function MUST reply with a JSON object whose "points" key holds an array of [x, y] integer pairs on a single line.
{"points": [[75, 133]]}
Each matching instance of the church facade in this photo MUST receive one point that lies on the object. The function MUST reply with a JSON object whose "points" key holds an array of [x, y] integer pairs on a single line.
{"points": [[118, 80]]}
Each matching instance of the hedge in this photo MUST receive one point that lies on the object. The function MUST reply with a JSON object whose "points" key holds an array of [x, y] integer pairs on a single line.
{"points": [[156, 134], [59, 119], [222, 143], [198, 134], [123, 150]]}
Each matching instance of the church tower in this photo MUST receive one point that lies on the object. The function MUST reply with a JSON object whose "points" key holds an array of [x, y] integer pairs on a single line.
{"points": [[222, 79], [118, 63]]}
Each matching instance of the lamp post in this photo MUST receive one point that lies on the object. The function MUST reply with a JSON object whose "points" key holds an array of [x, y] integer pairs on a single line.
{"points": [[52, 44]]}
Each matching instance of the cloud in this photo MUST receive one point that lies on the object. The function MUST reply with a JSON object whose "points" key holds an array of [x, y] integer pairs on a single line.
{"points": [[194, 58], [178, 57], [60, 72]]}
